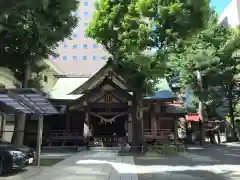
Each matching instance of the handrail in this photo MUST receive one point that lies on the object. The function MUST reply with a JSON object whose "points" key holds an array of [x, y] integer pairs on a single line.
{"points": [[157, 130], [148, 133]]}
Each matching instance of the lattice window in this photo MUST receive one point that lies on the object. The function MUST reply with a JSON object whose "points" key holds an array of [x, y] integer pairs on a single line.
{"points": [[108, 98]]}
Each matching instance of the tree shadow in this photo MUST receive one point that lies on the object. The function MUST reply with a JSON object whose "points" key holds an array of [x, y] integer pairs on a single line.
{"points": [[188, 175], [199, 162]]}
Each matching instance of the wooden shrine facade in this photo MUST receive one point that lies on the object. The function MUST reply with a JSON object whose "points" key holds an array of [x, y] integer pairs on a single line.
{"points": [[163, 118], [108, 109], [104, 111]]}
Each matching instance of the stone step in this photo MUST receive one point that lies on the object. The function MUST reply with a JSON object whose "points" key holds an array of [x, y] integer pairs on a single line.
{"points": [[109, 149], [59, 149]]}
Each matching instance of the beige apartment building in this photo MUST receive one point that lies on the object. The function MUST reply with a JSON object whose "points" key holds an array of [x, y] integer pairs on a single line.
{"points": [[80, 55]]}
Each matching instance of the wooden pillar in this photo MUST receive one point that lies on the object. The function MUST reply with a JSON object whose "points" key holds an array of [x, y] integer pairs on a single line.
{"points": [[175, 130], [68, 120], [130, 125], [18, 134], [87, 119]]}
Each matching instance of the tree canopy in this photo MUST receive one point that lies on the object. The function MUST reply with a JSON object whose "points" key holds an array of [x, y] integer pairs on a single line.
{"points": [[31, 31], [213, 54], [139, 34]]}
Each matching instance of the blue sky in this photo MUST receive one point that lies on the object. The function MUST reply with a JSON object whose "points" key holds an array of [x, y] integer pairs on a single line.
{"points": [[219, 4]]}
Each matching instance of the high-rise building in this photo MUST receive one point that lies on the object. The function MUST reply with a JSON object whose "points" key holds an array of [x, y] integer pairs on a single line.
{"points": [[230, 16], [80, 55]]}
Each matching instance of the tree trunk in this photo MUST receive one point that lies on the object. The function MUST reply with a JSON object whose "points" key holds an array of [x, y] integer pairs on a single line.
{"points": [[27, 75], [143, 141], [20, 118], [19, 125], [201, 111], [201, 123], [137, 134], [231, 111]]}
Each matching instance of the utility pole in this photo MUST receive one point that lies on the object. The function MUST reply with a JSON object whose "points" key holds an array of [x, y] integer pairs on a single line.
{"points": [[201, 110]]}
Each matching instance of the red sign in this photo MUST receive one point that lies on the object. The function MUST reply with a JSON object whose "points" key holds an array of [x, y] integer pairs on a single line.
{"points": [[192, 117]]}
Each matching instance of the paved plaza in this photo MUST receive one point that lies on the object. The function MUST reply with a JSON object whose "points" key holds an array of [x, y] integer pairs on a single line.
{"points": [[217, 162], [213, 162], [106, 165]]}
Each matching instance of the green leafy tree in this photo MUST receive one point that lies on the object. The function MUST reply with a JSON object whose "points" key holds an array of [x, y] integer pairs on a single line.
{"points": [[30, 32], [211, 52], [129, 30]]}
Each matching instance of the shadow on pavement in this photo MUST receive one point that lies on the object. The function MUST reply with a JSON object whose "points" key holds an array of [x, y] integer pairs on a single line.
{"points": [[14, 173], [209, 162]]}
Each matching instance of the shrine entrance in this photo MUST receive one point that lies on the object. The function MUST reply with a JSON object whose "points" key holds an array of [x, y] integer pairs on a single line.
{"points": [[108, 129]]}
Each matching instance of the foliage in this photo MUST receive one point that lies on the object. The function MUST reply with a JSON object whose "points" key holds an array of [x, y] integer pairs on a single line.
{"points": [[130, 30], [31, 32], [197, 53], [212, 53], [192, 105]]}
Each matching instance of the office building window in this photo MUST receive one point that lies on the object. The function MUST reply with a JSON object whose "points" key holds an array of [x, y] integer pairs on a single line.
{"points": [[85, 14], [74, 36], [84, 57], [64, 58], [79, 46], [74, 46], [85, 3], [94, 57], [85, 46], [85, 24], [95, 46], [75, 58]]}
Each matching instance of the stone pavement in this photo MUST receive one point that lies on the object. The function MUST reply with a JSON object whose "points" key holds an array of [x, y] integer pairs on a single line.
{"points": [[214, 162], [220, 162], [87, 166]]}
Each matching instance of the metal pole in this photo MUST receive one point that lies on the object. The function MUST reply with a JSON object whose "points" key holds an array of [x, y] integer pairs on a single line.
{"points": [[39, 139]]}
